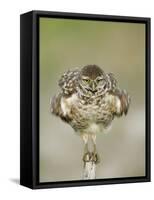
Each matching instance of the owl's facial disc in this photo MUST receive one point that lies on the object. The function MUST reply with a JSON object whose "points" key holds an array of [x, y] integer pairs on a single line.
{"points": [[92, 81], [101, 83], [88, 84]]}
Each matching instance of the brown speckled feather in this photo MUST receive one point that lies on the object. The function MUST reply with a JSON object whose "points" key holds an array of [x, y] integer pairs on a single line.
{"points": [[68, 81]]}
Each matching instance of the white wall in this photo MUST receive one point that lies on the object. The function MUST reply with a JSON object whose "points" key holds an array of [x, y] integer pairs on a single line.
{"points": [[9, 98]]}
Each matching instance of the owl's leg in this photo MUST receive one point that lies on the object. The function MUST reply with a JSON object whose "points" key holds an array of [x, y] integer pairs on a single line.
{"points": [[87, 154], [95, 155]]}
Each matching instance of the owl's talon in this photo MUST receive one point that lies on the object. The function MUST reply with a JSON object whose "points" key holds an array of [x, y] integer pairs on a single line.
{"points": [[91, 157], [87, 157], [95, 158]]}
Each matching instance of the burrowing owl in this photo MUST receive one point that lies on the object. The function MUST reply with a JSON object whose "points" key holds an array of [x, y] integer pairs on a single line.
{"points": [[89, 100]]}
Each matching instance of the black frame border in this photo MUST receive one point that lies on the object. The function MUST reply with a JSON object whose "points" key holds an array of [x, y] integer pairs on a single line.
{"points": [[34, 78]]}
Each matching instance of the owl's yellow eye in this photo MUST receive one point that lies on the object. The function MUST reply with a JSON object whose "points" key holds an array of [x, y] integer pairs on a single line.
{"points": [[99, 80], [86, 80]]}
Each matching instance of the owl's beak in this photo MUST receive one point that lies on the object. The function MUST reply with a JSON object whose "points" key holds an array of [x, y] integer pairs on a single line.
{"points": [[93, 87]]}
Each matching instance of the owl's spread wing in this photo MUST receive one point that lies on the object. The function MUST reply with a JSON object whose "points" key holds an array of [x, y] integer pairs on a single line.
{"points": [[55, 104], [121, 102], [56, 107], [68, 82], [120, 98]]}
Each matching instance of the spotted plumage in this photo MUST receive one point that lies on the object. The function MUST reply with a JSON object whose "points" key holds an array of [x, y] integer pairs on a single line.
{"points": [[89, 101]]}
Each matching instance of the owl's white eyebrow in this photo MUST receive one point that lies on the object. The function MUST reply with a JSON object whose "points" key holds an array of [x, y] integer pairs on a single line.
{"points": [[99, 78], [85, 77]]}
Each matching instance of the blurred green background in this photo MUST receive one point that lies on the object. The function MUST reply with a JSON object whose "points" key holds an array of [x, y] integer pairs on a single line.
{"points": [[116, 47]]}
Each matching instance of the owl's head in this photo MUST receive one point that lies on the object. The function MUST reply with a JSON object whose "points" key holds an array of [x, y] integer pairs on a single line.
{"points": [[92, 80]]}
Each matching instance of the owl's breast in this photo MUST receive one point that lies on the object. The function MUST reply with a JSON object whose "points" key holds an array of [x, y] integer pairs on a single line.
{"points": [[87, 115]]}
